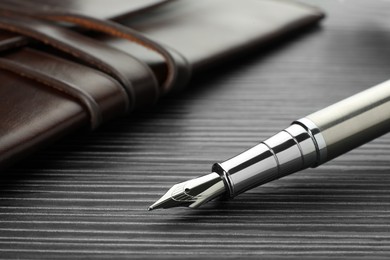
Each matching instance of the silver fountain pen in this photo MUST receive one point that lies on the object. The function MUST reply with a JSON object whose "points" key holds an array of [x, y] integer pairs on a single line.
{"points": [[307, 142]]}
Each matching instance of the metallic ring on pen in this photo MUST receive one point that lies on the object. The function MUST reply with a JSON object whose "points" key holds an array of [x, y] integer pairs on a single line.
{"points": [[318, 139], [217, 168], [275, 157]]}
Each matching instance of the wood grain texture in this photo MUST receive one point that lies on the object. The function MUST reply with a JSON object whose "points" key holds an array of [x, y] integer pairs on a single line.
{"points": [[86, 196]]}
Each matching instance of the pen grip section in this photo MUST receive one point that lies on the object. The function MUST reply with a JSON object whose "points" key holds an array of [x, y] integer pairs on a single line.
{"points": [[288, 151], [355, 120]]}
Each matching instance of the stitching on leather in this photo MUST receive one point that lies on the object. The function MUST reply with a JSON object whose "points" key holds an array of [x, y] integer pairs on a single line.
{"points": [[87, 101]]}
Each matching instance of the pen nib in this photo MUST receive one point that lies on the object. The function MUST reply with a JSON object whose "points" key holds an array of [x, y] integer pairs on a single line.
{"points": [[192, 193]]}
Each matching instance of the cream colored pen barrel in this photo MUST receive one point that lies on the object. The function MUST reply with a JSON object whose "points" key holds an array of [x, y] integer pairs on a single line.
{"points": [[354, 121]]}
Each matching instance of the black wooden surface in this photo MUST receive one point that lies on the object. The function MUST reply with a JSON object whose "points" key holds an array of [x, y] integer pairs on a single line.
{"points": [[86, 196]]}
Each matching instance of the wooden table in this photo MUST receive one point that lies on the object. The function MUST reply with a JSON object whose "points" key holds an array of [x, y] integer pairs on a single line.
{"points": [[86, 196]]}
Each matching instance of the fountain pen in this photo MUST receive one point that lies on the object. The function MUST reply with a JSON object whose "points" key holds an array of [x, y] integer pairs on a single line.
{"points": [[307, 142]]}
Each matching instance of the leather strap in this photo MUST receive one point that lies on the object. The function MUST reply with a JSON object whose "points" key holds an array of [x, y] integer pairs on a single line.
{"points": [[118, 30], [96, 54], [136, 77], [103, 26], [102, 96], [10, 41], [65, 87]]}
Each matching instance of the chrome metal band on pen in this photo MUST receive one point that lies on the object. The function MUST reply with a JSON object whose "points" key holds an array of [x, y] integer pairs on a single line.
{"points": [[297, 147]]}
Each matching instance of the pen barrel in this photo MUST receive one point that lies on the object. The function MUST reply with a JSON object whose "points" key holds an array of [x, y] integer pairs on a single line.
{"points": [[354, 121]]}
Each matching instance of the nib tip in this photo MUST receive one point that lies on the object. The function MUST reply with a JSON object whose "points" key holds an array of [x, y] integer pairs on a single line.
{"points": [[150, 208]]}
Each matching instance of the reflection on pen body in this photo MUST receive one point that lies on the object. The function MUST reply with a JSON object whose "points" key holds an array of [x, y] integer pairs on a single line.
{"points": [[307, 142]]}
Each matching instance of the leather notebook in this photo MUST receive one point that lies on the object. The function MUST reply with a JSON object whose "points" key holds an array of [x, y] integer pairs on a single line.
{"points": [[70, 64]]}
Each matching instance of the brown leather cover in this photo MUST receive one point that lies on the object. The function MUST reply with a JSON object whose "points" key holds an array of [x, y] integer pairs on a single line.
{"points": [[71, 64]]}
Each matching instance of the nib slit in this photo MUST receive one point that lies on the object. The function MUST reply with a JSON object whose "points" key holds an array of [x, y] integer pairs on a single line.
{"points": [[191, 193]]}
